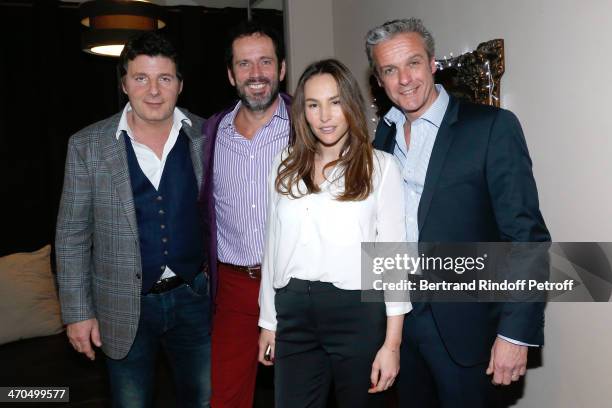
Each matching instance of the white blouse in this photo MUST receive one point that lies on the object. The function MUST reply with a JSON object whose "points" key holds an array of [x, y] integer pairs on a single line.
{"points": [[318, 238]]}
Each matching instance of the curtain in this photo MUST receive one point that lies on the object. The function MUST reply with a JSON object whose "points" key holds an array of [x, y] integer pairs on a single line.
{"points": [[50, 89]]}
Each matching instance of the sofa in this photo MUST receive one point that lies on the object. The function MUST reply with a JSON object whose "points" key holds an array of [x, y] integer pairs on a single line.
{"points": [[34, 349], [35, 352]]}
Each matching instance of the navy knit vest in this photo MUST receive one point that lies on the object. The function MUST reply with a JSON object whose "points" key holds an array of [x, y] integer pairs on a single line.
{"points": [[168, 219]]}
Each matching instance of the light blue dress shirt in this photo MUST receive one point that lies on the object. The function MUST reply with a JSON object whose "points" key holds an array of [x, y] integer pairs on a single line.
{"points": [[414, 159]]}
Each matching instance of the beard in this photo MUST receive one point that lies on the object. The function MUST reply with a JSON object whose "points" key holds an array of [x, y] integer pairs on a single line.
{"points": [[261, 102]]}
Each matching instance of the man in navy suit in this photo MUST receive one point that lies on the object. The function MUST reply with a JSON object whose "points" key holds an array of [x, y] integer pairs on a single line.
{"points": [[467, 178]]}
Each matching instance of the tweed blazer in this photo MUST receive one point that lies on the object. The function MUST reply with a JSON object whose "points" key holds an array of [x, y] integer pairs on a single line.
{"points": [[97, 246]]}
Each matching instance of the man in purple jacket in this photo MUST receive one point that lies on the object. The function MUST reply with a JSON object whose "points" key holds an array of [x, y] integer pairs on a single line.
{"points": [[240, 145]]}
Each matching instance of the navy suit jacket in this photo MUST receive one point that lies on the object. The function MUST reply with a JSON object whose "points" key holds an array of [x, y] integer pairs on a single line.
{"points": [[479, 187]]}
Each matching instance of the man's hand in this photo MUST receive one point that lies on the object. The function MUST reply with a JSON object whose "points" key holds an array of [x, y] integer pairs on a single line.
{"points": [[80, 334], [385, 368], [508, 362], [266, 338]]}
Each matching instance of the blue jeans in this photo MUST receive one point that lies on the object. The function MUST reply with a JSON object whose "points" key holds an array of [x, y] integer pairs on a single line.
{"points": [[179, 322]]}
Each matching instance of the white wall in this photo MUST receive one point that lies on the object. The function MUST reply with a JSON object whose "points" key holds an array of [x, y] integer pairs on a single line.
{"points": [[556, 54], [308, 35], [558, 57]]}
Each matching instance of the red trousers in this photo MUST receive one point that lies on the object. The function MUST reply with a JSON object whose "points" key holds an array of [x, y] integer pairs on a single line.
{"points": [[235, 338]]}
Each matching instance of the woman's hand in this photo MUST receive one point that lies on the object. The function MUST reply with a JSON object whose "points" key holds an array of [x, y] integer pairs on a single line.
{"points": [[266, 338], [386, 364], [385, 368]]}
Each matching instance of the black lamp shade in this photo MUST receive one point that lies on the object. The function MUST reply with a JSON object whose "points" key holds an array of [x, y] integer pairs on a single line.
{"points": [[110, 23]]}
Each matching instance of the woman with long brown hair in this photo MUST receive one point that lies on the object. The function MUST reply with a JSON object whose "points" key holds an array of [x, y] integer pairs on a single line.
{"points": [[329, 191]]}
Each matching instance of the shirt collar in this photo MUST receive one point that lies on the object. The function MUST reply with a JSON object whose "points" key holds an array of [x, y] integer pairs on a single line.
{"points": [[433, 115], [280, 112], [178, 119], [395, 116]]}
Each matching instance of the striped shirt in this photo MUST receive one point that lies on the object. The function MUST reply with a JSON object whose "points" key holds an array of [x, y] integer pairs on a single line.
{"points": [[415, 160], [241, 168]]}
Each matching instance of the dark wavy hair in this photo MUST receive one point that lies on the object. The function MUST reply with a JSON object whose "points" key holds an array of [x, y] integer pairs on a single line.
{"points": [[356, 158], [247, 29], [150, 43]]}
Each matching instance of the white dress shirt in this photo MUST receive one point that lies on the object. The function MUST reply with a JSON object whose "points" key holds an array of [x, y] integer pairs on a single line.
{"points": [[318, 238], [151, 165]]}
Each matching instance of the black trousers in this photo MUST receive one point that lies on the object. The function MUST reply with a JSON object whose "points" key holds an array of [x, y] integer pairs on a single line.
{"points": [[325, 334]]}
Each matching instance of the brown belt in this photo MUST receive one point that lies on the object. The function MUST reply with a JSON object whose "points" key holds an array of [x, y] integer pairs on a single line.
{"points": [[254, 271]]}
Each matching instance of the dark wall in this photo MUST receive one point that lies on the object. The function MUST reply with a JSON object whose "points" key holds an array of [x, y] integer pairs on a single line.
{"points": [[49, 89]]}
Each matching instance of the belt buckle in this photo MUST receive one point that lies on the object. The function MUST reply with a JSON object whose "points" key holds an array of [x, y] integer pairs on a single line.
{"points": [[251, 270]]}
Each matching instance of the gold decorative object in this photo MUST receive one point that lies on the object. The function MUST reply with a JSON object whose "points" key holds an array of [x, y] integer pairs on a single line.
{"points": [[474, 75]]}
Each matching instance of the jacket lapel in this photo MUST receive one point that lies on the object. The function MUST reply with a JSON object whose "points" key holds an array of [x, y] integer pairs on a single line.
{"points": [[443, 141], [384, 138], [115, 156], [195, 148]]}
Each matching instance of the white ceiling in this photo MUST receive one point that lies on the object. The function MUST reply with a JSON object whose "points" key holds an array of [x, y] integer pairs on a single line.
{"points": [[267, 4]]}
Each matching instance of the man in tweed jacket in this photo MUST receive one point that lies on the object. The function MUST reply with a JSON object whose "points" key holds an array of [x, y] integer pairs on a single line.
{"points": [[129, 241]]}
